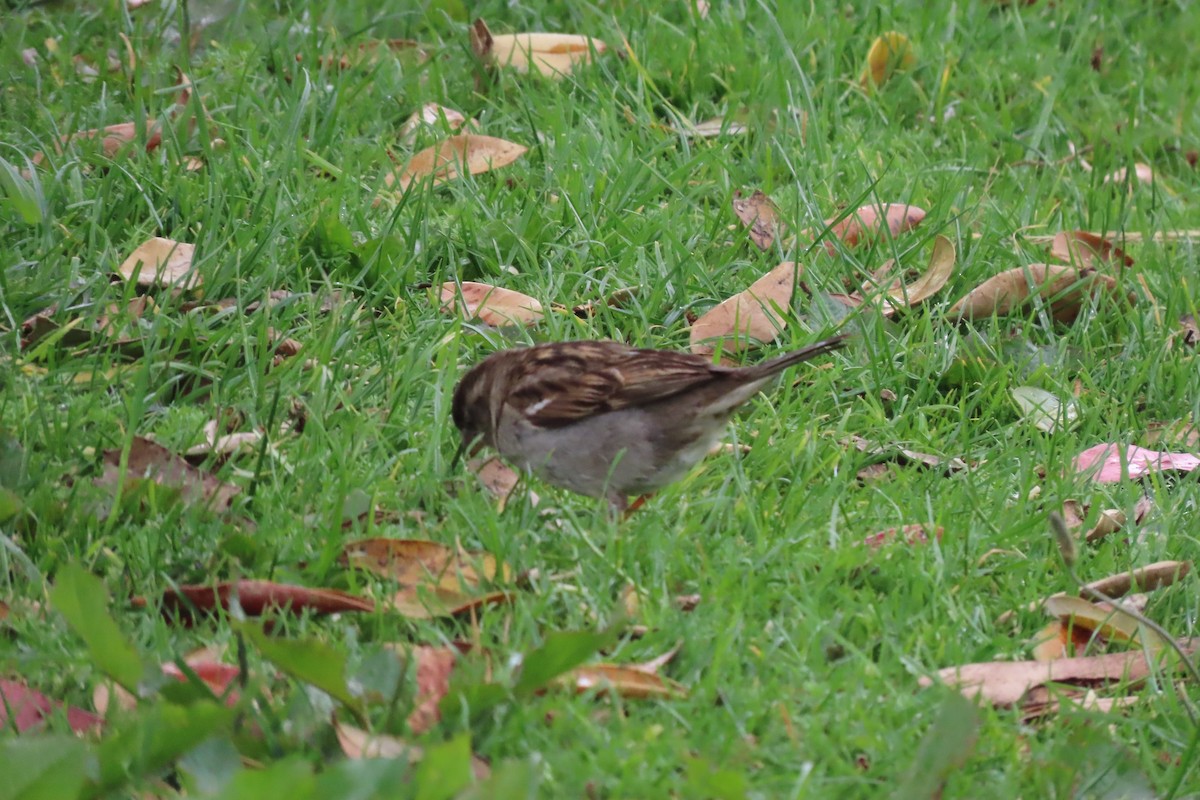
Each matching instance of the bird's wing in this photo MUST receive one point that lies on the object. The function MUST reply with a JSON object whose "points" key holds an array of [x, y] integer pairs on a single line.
{"points": [[564, 383]]}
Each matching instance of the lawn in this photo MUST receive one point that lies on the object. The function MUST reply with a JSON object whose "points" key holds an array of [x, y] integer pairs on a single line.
{"points": [[312, 319]]}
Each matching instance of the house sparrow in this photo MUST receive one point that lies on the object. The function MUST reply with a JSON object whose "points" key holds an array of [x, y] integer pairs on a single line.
{"points": [[604, 419]]}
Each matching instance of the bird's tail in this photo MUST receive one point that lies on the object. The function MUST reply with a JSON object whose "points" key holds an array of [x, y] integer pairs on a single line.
{"points": [[780, 363]]}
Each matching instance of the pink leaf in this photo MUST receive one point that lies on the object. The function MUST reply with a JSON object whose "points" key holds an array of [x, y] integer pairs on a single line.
{"points": [[1106, 459]]}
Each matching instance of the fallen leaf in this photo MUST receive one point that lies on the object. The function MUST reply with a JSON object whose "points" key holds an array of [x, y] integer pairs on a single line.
{"points": [[1044, 409], [368, 53], [225, 445], [935, 276], [416, 561], [1177, 434], [24, 709], [894, 452], [469, 153], [499, 479], [626, 681], [1085, 250], [714, 127], [435, 580], [751, 316], [1110, 521], [760, 214], [1106, 623], [1004, 683], [161, 262], [916, 533], [1142, 172], [1107, 463], [358, 744], [1058, 640], [867, 223], [489, 304], [889, 54], [434, 666], [255, 598], [1187, 334], [1144, 579], [440, 118], [151, 461], [687, 602], [552, 54], [1065, 288], [113, 138], [219, 678], [1040, 702], [618, 298], [119, 318]]}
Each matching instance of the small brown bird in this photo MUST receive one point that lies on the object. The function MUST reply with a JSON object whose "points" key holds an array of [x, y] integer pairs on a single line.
{"points": [[604, 419]]}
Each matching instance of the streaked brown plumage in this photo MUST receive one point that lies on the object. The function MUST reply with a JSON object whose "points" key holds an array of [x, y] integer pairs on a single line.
{"points": [[604, 419]]}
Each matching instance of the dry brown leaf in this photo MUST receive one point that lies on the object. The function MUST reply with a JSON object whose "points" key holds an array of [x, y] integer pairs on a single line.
{"points": [[226, 444], [1113, 463], [749, 317], [1085, 250], [1111, 520], [368, 53], [434, 666], [889, 54], [1144, 579], [1187, 334], [1041, 702], [1057, 640], [551, 54], [151, 461], [415, 562], [867, 223], [437, 117], [619, 298], [1004, 683], [161, 262], [499, 479], [1065, 288], [1104, 623], [23, 710], [687, 602], [359, 744], [489, 304], [435, 580], [1142, 172], [626, 681], [916, 533], [760, 214], [465, 153], [714, 127], [937, 273], [1182, 434], [902, 455]]}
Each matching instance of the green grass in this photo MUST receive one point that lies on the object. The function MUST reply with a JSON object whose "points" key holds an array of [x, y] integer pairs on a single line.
{"points": [[804, 654]]}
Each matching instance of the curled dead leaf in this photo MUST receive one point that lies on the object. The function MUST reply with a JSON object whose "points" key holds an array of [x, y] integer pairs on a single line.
{"points": [[890, 53], [760, 214], [437, 117], [1005, 683], [499, 479], [1143, 173], [931, 281], [464, 153], [867, 223], [489, 304], [1085, 250], [1112, 463], [161, 262], [1066, 289], [551, 54], [754, 315], [151, 461], [626, 681], [255, 598]]}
